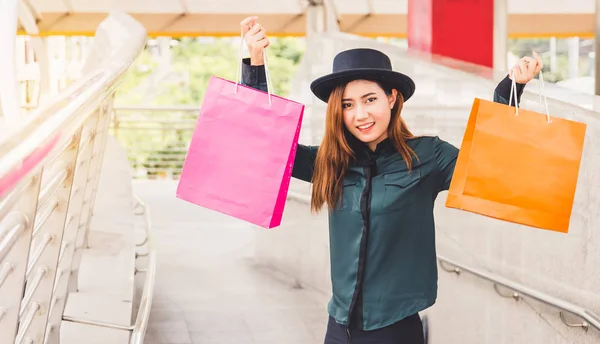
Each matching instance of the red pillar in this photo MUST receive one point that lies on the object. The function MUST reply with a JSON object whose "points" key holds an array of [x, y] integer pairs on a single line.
{"points": [[460, 29]]}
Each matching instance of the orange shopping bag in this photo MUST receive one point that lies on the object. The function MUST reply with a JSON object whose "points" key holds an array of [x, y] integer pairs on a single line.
{"points": [[517, 165]]}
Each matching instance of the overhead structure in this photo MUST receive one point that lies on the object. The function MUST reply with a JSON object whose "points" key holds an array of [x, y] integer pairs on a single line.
{"points": [[532, 18]]}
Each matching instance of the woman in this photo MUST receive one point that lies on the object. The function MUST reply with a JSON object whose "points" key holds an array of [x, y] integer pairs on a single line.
{"points": [[380, 183]]}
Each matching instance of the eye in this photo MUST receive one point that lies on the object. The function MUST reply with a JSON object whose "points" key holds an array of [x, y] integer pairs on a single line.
{"points": [[346, 105], [372, 99]]}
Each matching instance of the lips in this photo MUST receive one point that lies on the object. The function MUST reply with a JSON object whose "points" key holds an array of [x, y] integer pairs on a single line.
{"points": [[366, 126]]}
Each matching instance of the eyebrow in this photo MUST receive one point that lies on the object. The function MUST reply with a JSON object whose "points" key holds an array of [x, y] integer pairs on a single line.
{"points": [[364, 96]]}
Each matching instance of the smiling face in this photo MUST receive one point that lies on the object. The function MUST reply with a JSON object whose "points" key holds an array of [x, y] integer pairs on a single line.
{"points": [[367, 111]]}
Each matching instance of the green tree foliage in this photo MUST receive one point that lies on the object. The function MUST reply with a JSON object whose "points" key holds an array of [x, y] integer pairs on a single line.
{"points": [[193, 62]]}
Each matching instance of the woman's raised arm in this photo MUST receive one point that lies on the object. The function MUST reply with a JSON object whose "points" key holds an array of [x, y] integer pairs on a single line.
{"points": [[522, 72], [253, 75]]}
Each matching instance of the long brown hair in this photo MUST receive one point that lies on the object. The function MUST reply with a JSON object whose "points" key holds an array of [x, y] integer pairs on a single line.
{"points": [[335, 154]]}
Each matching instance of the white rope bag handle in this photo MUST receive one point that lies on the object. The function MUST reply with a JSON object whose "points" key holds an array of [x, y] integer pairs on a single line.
{"points": [[542, 92], [238, 77]]}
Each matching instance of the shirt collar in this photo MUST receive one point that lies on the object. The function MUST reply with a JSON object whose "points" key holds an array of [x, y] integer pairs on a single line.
{"points": [[364, 156]]}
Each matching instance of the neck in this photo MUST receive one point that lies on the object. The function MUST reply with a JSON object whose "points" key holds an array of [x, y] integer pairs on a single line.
{"points": [[373, 144]]}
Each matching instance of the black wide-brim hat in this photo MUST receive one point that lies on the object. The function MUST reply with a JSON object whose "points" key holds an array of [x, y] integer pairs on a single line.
{"points": [[367, 64]]}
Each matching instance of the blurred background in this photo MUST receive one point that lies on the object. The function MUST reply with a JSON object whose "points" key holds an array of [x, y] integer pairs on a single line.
{"points": [[98, 103]]}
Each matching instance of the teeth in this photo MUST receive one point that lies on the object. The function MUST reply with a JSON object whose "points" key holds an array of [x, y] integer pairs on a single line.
{"points": [[366, 126]]}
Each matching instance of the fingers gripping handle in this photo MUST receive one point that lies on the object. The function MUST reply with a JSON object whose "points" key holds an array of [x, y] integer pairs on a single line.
{"points": [[238, 77], [542, 92]]}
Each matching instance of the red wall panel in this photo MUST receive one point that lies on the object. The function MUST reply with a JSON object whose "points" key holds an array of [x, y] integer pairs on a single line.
{"points": [[460, 29]]}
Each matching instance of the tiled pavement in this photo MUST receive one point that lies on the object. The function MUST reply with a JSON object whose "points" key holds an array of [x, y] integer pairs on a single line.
{"points": [[209, 290]]}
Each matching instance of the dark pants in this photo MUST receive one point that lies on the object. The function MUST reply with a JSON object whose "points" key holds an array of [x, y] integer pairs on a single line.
{"points": [[406, 331]]}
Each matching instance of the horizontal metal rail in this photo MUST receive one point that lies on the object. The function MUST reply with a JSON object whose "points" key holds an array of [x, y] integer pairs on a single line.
{"points": [[169, 108], [162, 154], [522, 291], [11, 229]]}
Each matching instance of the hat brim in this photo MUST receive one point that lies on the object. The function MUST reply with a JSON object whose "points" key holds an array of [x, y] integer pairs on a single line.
{"points": [[322, 87]]}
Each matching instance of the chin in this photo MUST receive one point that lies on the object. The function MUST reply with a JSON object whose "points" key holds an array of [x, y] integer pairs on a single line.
{"points": [[367, 138]]}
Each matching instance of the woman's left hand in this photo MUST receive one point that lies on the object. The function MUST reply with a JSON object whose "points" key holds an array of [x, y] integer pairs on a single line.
{"points": [[526, 69]]}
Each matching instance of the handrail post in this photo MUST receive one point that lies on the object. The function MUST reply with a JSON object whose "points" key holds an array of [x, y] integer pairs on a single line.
{"points": [[72, 228], [11, 291], [91, 187]]}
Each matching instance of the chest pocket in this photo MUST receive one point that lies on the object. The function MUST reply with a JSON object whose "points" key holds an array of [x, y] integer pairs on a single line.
{"points": [[398, 188], [350, 193]]}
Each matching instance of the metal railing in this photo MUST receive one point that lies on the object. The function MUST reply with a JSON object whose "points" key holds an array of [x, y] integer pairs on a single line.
{"points": [[519, 291], [156, 138], [49, 172], [138, 328]]}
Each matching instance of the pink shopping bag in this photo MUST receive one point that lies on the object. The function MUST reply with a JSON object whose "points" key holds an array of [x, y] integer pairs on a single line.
{"points": [[241, 155]]}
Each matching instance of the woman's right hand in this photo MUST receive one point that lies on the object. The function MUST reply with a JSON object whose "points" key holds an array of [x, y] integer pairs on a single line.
{"points": [[256, 39]]}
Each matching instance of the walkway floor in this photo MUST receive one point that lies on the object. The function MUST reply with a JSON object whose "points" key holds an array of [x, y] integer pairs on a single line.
{"points": [[209, 290]]}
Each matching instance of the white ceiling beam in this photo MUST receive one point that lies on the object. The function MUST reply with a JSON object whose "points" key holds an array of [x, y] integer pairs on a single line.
{"points": [[68, 6], [370, 6], [303, 5], [37, 15], [27, 19], [185, 7], [332, 18]]}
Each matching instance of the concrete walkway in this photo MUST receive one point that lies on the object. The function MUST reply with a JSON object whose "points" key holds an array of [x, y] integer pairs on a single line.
{"points": [[208, 288]]}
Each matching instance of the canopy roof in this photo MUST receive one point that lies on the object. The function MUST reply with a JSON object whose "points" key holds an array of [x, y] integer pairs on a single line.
{"points": [[288, 17]]}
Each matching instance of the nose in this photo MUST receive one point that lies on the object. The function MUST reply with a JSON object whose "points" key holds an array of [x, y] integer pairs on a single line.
{"points": [[361, 113]]}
